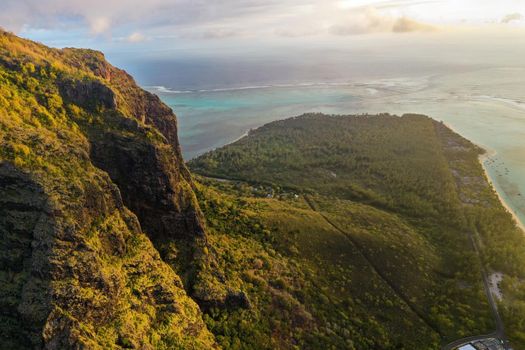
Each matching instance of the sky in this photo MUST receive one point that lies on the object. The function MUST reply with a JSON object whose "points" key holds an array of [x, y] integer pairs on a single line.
{"points": [[128, 23], [135, 31]]}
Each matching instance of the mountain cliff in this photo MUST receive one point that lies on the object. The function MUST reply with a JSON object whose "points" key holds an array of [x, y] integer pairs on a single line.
{"points": [[92, 188]]}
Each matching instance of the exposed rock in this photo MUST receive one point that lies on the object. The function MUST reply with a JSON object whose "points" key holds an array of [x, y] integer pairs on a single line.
{"points": [[82, 170], [89, 94], [26, 229], [237, 299]]}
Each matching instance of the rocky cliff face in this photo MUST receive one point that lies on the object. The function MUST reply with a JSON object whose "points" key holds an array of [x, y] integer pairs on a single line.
{"points": [[92, 187], [137, 145], [24, 213]]}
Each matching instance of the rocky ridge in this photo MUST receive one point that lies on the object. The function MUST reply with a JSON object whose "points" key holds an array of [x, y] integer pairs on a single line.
{"points": [[92, 188]]}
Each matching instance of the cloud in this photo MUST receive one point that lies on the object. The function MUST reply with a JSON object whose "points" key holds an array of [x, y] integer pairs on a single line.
{"points": [[386, 4], [241, 19], [104, 15], [512, 17], [211, 33], [296, 32], [370, 20], [135, 37], [100, 25], [405, 25]]}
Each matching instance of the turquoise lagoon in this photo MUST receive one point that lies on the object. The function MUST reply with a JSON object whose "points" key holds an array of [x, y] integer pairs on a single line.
{"points": [[485, 105]]}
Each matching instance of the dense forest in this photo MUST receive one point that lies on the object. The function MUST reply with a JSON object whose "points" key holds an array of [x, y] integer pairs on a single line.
{"points": [[408, 193]]}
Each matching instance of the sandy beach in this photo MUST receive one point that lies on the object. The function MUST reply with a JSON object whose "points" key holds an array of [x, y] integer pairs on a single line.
{"points": [[489, 153], [482, 159]]}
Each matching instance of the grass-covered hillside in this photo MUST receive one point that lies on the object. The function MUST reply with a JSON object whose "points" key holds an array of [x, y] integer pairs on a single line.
{"points": [[377, 213]]}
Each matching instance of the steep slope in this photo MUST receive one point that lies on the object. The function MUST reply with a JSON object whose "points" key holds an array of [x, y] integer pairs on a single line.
{"points": [[87, 162]]}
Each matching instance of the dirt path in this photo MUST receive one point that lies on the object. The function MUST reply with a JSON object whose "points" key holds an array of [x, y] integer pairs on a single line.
{"points": [[498, 333], [500, 330], [377, 270]]}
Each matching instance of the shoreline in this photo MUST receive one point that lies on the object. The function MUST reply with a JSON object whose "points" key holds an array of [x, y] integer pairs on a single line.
{"points": [[238, 138], [482, 159], [492, 182], [186, 160]]}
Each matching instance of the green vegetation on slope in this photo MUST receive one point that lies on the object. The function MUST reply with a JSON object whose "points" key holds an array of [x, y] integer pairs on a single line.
{"points": [[76, 269], [408, 193], [307, 284], [381, 161]]}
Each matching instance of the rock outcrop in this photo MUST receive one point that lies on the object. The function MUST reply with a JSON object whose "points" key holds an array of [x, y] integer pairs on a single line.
{"points": [[92, 186]]}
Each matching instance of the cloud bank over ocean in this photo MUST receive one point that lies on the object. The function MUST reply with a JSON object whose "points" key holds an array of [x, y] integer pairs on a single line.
{"points": [[222, 19], [250, 42]]}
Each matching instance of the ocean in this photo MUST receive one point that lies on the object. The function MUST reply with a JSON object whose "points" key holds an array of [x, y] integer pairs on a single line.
{"points": [[485, 104]]}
